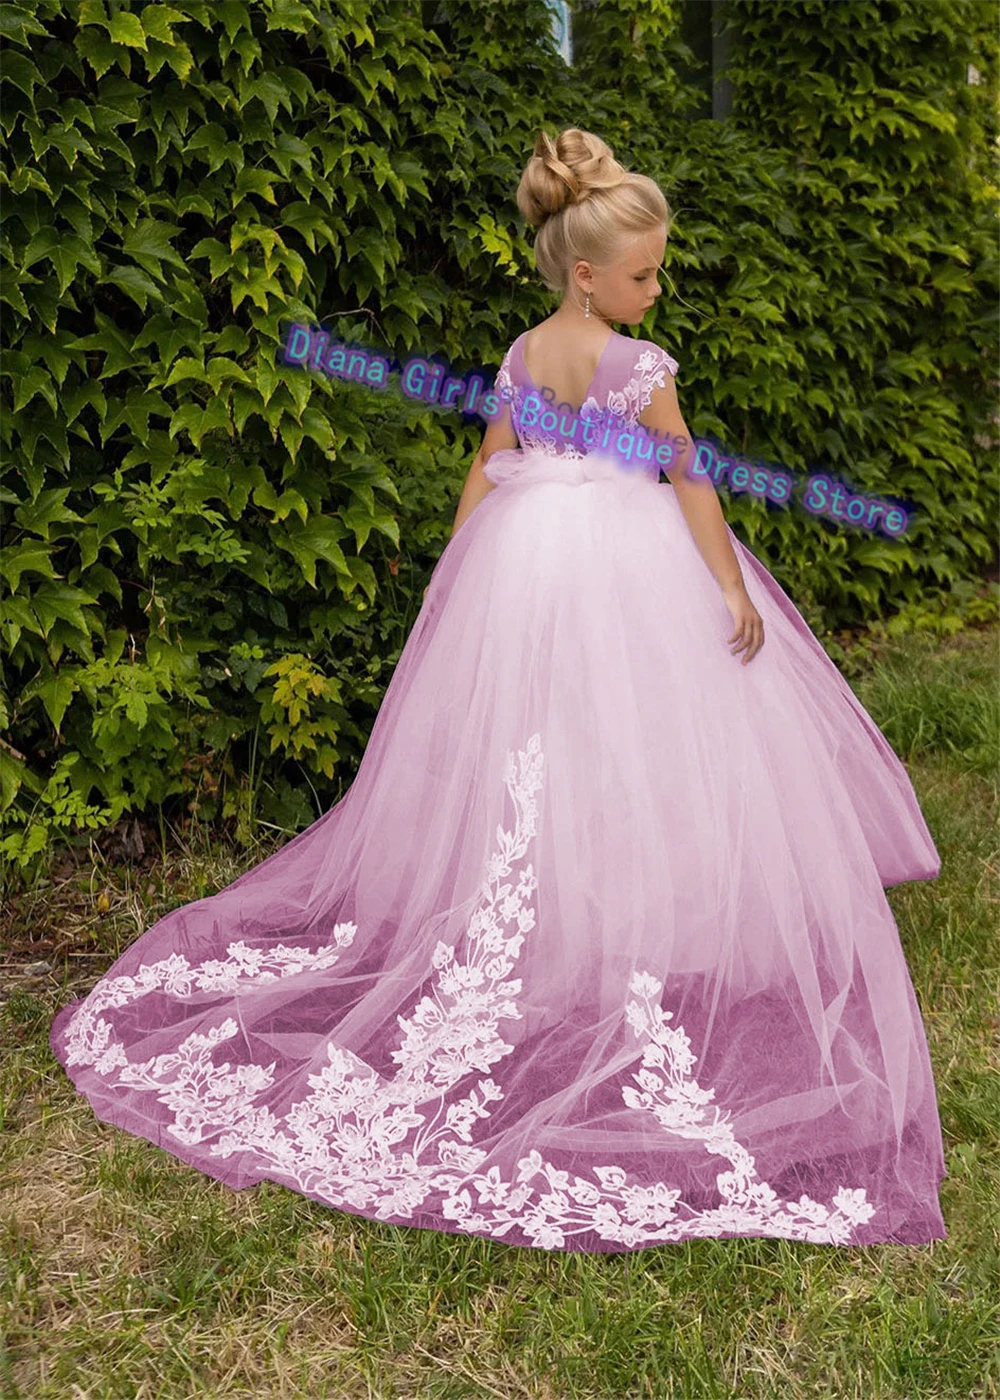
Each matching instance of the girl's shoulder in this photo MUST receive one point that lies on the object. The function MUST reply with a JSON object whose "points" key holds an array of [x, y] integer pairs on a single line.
{"points": [[644, 357]]}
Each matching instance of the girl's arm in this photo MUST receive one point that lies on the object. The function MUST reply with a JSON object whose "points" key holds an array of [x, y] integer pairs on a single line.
{"points": [[696, 495], [699, 503], [499, 435], [477, 485]]}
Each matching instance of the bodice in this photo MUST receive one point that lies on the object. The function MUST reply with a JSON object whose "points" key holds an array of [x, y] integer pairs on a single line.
{"points": [[604, 440]]}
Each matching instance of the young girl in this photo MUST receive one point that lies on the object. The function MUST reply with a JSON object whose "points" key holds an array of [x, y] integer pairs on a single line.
{"points": [[595, 952]]}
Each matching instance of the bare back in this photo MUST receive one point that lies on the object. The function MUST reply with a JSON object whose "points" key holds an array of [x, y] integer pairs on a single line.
{"points": [[562, 360]]}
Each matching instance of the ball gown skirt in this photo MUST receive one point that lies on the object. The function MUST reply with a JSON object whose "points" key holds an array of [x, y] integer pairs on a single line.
{"points": [[594, 953]]}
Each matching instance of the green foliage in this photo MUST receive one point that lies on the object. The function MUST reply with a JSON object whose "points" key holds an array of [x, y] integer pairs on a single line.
{"points": [[883, 269], [204, 547]]}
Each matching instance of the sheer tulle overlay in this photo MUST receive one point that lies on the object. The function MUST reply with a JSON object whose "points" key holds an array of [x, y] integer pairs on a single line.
{"points": [[595, 951]]}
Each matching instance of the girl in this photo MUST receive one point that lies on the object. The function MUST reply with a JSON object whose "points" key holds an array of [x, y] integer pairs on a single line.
{"points": [[594, 953]]}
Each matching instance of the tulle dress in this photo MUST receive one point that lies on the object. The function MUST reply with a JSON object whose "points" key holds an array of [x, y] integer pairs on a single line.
{"points": [[594, 953]]}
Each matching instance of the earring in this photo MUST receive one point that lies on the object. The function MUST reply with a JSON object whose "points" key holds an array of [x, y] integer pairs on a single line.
{"points": [[586, 309]]}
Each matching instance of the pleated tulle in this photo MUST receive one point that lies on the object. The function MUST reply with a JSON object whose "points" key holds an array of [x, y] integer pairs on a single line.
{"points": [[594, 953]]}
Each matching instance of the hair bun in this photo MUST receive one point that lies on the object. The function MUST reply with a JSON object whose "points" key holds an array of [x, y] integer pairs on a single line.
{"points": [[602, 204], [565, 171]]}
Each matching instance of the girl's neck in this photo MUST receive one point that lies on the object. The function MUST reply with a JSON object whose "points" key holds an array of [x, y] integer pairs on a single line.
{"points": [[574, 318]]}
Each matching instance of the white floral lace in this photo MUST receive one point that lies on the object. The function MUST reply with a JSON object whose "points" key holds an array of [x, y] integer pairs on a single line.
{"points": [[386, 1146], [624, 404]]}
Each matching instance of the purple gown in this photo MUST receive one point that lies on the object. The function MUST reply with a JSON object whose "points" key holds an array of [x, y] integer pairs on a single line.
{"points": [[595, 951]]}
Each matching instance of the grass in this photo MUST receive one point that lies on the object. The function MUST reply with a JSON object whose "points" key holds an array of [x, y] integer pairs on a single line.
{"points": [[124, 1273]]}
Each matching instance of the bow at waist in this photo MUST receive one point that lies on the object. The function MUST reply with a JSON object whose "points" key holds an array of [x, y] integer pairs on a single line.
{"points": [[522, 464]]}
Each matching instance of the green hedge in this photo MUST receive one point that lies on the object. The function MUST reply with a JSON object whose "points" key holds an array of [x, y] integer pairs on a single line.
{"points": [[211, 561]]}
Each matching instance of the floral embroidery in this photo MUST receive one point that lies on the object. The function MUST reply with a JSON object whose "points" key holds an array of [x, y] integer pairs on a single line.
{"points": [[529, 436], [623, 405], [649, 371], [387, 1147]]}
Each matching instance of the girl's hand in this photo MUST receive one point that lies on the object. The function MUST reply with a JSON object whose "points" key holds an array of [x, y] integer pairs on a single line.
{"points": [[749, 624], [423, 595]]}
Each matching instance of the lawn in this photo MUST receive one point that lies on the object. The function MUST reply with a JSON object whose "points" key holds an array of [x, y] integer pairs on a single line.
{"points": [[124, 1272]]}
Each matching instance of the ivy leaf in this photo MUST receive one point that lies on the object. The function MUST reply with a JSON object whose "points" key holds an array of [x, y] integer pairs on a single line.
{"points": [[55, 691], [19, 559], [149, 244], [126, 28]]}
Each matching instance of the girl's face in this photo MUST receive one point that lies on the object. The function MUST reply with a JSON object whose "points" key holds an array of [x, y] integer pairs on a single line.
{"points": [[626, 289]]}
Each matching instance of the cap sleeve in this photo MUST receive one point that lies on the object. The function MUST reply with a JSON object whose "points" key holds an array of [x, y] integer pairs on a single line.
{"points": [[652, 364], [502, 384], [658, 361]]}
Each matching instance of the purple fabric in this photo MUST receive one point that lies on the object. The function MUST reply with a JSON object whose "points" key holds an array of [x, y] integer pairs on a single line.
{"points": [[595, 952]]}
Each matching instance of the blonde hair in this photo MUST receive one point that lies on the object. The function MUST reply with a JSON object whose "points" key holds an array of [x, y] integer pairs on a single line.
{"points": [[583, 203]]}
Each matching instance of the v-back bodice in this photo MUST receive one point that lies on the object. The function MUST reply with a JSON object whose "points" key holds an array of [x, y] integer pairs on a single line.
{"points": [[576, 446], [529, 380]]}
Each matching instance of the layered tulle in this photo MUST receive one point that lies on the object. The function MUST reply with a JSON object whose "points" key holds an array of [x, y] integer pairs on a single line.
{"points": [[594, 953]]}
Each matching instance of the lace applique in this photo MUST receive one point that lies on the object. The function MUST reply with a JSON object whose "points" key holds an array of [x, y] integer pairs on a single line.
{"points": [[623, 406], [389, 1147], [502, 384], [527, 435], [647, 374]]}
